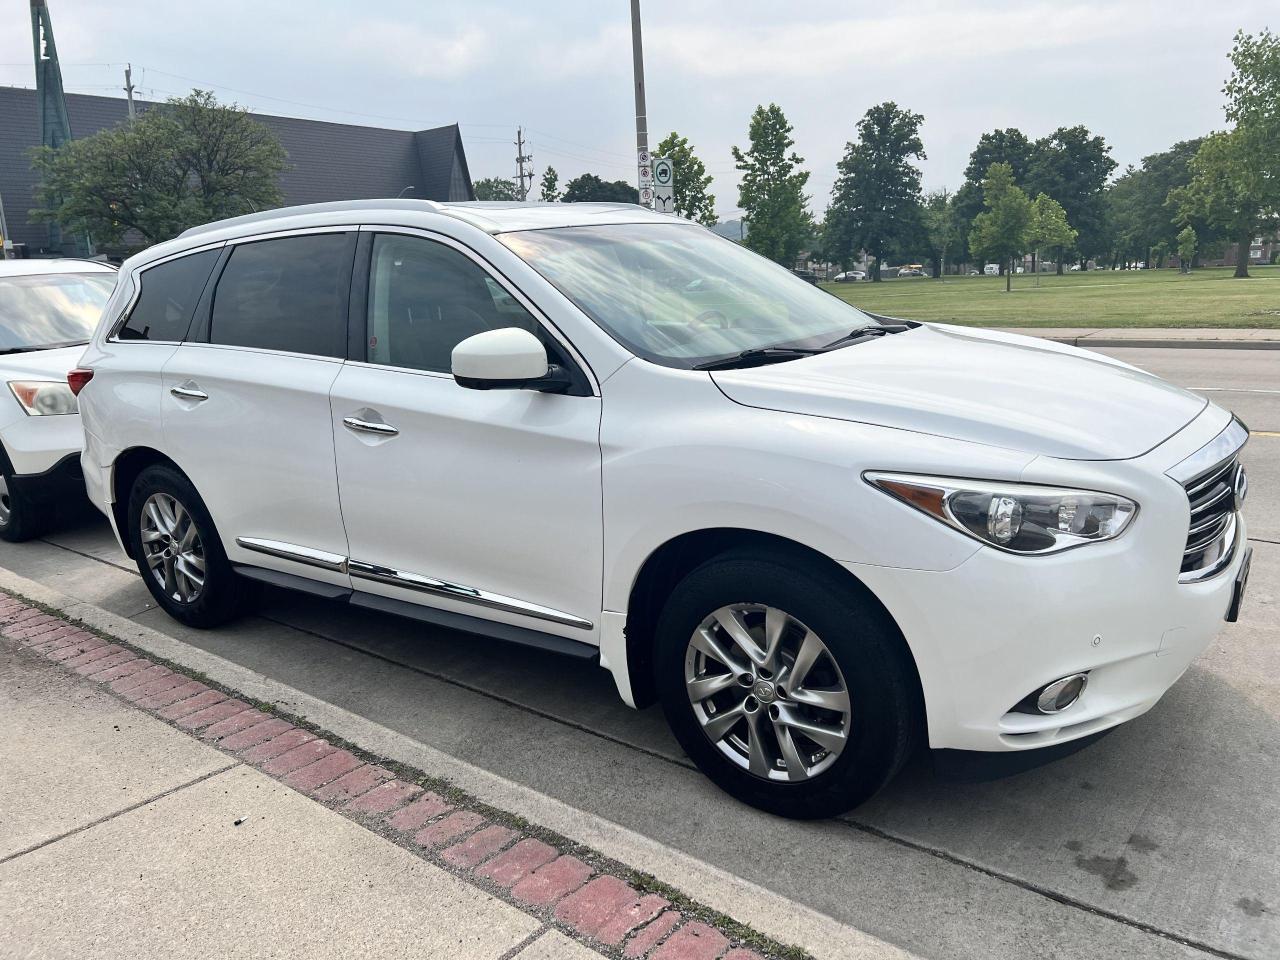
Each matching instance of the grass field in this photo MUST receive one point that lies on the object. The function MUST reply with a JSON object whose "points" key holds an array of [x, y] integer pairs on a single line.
{"points": [[1208, 297]]}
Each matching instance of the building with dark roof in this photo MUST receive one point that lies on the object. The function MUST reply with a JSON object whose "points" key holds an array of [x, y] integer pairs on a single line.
{"points": [[327, 161]]}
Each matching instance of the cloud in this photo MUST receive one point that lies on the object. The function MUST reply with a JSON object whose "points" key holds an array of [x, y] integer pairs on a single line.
{"points": [[411, 50]]}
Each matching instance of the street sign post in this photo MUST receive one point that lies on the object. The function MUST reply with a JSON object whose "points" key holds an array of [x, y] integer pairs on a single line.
{"points": [[663, 185]]}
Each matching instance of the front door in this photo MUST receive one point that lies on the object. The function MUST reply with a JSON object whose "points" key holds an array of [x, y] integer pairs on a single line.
{"points": [[484, 503]]}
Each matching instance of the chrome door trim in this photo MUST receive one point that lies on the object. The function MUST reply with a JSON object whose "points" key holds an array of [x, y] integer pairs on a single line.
{"points": [[370, 426], [455, 591], [291, 551], [186, 393]]}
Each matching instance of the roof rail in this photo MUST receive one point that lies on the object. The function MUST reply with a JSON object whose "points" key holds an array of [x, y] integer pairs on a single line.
{"points": [[334, 206]]}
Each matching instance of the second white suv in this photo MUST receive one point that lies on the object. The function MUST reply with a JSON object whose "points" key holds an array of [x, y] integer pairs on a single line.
{"points": [[816, 536]]}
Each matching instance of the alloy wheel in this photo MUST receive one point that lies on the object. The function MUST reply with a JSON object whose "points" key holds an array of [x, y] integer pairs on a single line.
{"points": [[172, 548], [767, 692], [6, 510]]}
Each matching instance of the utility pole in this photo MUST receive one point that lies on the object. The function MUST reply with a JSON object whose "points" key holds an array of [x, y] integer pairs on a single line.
{"points": [[524, 179], [644, 172], [128, 88], [5, 242]]}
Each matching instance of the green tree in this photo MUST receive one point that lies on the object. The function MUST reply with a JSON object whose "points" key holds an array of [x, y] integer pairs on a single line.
{"points": [[1072, 165], [550, 185], [1186, 248], [875, 203], [1048, 229], [772, 190], [1000, 231], [1229, 192], [690, 181], [495, 188], [178, 165], [1009, 146], [1139, 216], [590, 188], [942, 234]]}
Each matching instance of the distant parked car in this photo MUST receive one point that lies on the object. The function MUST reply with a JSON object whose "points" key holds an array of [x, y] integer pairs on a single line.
{"points": [[992, 270], [1074, 268], [849, 276], [808, 276], [48, 309], [911, 272]]}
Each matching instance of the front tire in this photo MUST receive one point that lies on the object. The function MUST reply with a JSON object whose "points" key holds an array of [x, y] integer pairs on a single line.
{"points": [[179, 553], [786, 683]]}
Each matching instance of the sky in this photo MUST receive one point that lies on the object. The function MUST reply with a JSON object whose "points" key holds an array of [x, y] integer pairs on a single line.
{"points": [[1142, 74]]}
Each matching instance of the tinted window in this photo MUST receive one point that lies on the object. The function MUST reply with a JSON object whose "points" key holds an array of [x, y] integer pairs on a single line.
{"points": [[287, 294], [169, 296], [425, 298]]}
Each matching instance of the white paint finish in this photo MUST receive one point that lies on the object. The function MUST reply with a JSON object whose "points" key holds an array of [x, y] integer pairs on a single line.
{"points": [[259, 450], [509, 354], [559, 501], [1015, 392], [493, 489]]}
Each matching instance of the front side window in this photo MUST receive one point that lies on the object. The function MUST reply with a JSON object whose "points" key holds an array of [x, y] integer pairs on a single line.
{"points": [[286, 294], [169, 294], [679, 295], [50, 309], [425, 298]]}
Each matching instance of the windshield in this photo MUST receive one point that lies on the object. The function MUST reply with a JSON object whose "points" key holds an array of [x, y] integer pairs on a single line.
{"points": [[681, 296], [48, 309]]}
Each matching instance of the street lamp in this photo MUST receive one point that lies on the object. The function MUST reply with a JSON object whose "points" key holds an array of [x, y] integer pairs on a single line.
{"points": [[403, 192]]}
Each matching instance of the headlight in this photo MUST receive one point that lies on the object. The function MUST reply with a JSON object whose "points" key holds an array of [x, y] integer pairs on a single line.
{"points": [[1017, 517], [44, 398]]}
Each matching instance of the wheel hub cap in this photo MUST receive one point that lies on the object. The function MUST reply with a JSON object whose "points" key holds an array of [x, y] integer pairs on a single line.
{"points": [[172, 548], [767, 692]]}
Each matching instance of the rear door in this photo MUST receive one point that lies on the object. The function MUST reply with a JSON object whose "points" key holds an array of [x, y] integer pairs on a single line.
{"points": [[246, 400], [481, 502]]}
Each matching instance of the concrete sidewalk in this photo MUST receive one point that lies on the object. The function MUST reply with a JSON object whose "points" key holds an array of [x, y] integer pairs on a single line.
{"points": [[1190, 337], [124, 837]]}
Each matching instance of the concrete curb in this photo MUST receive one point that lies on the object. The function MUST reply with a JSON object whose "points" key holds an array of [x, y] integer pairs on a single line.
{"points": [[1157, 343], [769, 913]]}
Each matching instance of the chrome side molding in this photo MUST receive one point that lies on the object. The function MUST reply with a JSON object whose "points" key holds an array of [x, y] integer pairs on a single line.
{"points": [[457, 591], [291, 551], [362, 570]]}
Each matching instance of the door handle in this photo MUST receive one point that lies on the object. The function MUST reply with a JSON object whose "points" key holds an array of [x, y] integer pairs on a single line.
{"points": [[369, 426], [189, 393]]}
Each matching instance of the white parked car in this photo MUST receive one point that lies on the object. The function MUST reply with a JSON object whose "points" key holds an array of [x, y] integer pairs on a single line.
{"points": [[48, 310], [850, 276], [817, 537]]}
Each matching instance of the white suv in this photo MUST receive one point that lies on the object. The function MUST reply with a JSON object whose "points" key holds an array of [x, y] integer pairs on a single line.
{"points": [[816, 536], [48, 309]]}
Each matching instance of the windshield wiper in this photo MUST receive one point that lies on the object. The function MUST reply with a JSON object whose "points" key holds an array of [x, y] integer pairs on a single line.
{"points": [[874, 330], [757, 356], [43, 346]]}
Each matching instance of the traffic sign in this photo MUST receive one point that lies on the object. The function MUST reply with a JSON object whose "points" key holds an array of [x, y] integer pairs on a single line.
{"points": [[646, 196], [644, 158], [664, 200], [663, 174]]}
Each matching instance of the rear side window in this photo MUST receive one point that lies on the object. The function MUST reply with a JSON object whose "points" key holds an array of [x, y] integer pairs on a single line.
{"points": [[169, 296], [288, 294]]}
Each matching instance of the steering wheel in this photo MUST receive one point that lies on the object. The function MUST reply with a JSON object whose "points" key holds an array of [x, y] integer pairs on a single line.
{"points": [[710, 317]]}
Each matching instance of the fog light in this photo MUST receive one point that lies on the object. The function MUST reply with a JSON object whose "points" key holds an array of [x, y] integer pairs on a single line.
{"points": [[1061, 694]]}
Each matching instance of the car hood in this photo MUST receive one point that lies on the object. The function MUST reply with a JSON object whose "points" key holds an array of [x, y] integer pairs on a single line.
{"points": [[978, 385], [41, 364]]}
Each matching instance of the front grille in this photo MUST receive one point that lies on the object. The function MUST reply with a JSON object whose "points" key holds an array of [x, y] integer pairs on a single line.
{"points": [[1211, 534]]}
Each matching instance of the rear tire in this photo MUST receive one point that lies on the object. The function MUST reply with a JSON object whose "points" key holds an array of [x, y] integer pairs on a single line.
{"points": [[852, 683], [21, 518], [179, 553]]}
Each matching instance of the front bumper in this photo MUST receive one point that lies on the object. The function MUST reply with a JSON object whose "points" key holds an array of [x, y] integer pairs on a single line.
{"points": [[1000, 626], [62, 482], [35, 445]]}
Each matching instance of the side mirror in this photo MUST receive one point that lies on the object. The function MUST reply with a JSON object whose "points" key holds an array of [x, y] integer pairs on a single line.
{"points": [[506, 359]]}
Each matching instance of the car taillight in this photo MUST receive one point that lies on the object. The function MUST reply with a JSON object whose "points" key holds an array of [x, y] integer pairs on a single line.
{"points": [[77, 378]]}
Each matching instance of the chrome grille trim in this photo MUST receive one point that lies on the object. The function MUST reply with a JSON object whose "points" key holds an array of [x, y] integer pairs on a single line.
{"points": [[1211, 477]]}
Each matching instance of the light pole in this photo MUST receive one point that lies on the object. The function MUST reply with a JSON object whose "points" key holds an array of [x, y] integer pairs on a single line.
{"points": [[404, 191], [643, 181]]}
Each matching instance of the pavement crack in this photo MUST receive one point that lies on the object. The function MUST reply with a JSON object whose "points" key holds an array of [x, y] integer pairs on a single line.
{"points": [[119, 813], [527, 941], [1042, 891]]}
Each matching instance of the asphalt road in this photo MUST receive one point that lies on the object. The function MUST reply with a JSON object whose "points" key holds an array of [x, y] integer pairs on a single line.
{"points": [[1161, 840]]}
